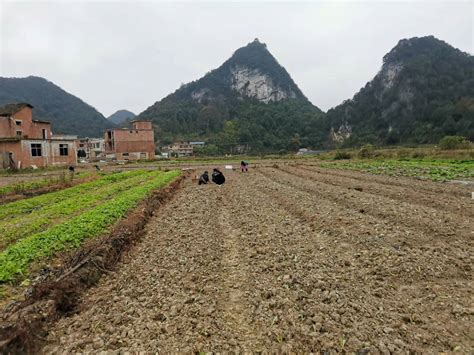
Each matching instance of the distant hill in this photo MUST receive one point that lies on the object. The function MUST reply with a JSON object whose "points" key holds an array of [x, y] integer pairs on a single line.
{"points": [[120, 116], [424, 91], [67, 113], [250, 101]]}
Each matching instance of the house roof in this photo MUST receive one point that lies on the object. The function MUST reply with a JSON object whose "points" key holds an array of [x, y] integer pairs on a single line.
{"points": [[10, 109], [40, 121]]}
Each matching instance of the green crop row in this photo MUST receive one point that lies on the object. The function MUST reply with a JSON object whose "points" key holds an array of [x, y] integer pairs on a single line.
{"points": [[28, 205], [436, 170], [17, 258], [39, 219], [23, 186]]}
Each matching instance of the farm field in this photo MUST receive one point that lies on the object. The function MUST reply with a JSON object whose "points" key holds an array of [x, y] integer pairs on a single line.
{"points": [[36, 228], [291, 257], [433, 169]]}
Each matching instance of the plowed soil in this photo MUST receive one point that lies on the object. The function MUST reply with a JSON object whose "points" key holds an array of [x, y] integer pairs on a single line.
{"points": [[291, 258]]}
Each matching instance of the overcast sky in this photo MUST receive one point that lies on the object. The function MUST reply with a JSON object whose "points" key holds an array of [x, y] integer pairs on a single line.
{"points": [[129, 54]]}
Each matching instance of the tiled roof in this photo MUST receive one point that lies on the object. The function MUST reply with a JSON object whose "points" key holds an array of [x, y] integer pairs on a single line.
{"points": [[10, 109]]}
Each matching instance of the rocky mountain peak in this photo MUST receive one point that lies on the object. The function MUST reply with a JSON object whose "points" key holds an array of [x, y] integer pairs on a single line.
{"points": [[251, 72]]}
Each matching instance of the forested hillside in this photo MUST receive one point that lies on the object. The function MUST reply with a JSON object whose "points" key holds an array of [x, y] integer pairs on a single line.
{"points": [[67, 113], [250, 102], [424, 91]]}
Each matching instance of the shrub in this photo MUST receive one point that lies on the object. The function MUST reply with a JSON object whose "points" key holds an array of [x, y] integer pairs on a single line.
{"points": [[454, 142], [418, 154], [341, 155], [366, 151], [403, 153]]}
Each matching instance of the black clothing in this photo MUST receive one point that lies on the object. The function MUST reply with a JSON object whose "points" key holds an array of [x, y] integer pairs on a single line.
{"points": [[204, 178], [217, 177]]}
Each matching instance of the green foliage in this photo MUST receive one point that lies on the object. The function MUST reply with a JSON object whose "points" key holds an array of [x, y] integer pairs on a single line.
{"points": [[23, 186], [431, 96], [235, 123], [208, 150], [341, 155], [454, 142], [436, 170], [121, 116], [18, 226], [67, 113], [366, 151], [27, 206], [17, 258]]}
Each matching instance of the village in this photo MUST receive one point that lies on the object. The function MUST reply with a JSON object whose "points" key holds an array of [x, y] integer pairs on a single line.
{"points": [[29, 143]]}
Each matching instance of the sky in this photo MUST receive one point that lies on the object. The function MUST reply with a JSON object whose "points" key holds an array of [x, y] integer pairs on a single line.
{"points": [[129, 54]]}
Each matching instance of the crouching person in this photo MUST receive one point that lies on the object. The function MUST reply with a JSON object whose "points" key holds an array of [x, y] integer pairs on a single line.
{"points": [[217, 177], [204, 178]]}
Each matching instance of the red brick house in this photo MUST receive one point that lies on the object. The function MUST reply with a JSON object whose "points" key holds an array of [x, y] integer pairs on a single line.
{"points": [[25, 142], [134, 143]]}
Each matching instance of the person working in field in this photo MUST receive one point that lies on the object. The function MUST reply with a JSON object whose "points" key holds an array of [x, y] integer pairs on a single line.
{"points": [[204, 178], [217, 177], [244, 166]]}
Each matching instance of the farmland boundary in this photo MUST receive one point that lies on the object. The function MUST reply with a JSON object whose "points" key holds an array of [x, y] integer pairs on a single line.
{"points": [[25, 324]]}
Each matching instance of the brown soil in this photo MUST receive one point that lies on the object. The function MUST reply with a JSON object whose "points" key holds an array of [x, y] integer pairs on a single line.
{"points": [[290, 259], [56, 292], [11, 197]]}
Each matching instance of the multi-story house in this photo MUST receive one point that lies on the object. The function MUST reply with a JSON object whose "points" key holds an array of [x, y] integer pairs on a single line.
{"points": [[134, 143], [25, 142]]}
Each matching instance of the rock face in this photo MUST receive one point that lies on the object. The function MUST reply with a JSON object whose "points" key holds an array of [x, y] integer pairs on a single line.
{"points": [[388, 74], [252, 83], [423, 91], [251, 72], [248, 96]]}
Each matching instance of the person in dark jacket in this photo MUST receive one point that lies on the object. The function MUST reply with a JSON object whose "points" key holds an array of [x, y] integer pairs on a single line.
{"points": [[204, 178], [217, 177]]}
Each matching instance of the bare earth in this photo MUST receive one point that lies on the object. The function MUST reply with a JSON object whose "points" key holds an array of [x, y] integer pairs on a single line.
{"points": [[294, 258]]}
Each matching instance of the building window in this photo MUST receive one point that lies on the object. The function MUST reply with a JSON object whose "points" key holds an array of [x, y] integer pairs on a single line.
{"points": [[18, 123], [44, 134], [18, 134], [36, 150], [63, 149]]}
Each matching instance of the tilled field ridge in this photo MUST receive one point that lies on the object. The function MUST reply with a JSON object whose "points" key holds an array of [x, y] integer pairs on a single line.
{"points": [[290, 259]]}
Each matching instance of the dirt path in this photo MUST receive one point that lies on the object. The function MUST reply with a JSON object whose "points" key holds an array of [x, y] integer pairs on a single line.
{"points": [[290, 259]]}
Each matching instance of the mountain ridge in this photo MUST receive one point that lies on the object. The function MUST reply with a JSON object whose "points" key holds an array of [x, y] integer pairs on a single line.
{"points": [[423, 91], [120, 116], [68, 114], [250, 92]]}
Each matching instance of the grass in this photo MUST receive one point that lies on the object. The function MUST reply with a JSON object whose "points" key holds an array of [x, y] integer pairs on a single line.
{"points": [[95, 220], [433, 169], [23, 186]]}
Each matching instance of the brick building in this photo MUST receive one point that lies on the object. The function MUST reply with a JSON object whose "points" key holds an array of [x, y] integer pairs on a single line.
{"points": [[134, 143], [25, 142]]}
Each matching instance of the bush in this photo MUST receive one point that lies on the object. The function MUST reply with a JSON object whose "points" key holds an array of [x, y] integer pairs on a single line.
{"points": [[418, 154], [403, 153], [366, 151], [454, 142], [341, 155]]}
